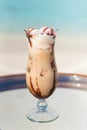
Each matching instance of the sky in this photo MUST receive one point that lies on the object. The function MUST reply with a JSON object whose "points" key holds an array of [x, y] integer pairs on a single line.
{"points": [[69, 16]]}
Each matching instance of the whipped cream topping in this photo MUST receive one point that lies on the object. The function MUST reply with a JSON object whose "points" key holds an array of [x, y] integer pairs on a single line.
{"points": [[41, 38]]}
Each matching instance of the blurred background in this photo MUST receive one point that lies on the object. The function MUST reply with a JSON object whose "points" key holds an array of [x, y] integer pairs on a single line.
{"points": [[69, 16]]}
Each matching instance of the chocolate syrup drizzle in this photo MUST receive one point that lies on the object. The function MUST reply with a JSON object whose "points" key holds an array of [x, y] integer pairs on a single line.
{"points": [[29, 36]]}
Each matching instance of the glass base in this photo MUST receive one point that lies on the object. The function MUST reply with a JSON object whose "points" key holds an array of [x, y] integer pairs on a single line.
{"points": [[42, 117], [43, 114]]}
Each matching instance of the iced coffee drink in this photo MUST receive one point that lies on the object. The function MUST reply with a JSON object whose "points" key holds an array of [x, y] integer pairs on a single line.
{"points": [[41, 75]]}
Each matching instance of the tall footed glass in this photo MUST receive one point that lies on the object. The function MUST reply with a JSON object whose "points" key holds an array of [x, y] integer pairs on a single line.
{"points": [[41, 74]]}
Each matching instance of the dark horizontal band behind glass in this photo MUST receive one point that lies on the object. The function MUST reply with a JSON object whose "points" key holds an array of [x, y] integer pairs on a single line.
{"points": [[12, 82], [64, 80]]}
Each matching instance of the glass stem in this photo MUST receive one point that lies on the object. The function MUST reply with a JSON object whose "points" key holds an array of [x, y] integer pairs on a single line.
{"points": [[42, 105]]}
